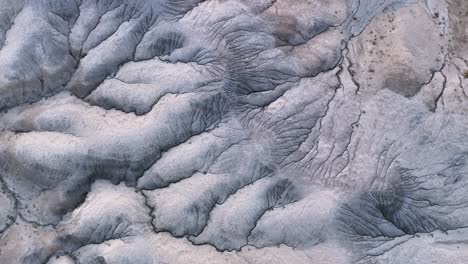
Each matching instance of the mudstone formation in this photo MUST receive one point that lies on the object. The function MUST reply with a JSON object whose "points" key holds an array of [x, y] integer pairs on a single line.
{"points": [[233, 131]]}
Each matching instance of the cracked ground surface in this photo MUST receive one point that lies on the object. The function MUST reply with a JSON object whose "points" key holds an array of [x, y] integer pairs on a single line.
{"points": [[233, 131]]}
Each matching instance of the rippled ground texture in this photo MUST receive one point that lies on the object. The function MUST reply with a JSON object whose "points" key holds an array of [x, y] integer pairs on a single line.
{"points": [[233, 131]]}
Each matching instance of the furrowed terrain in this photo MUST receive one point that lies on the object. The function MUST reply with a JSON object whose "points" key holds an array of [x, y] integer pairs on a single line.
{"points": [[233, 131]]}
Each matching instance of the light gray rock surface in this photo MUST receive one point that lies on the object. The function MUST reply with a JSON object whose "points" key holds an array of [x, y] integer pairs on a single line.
{"points": [[233, 131]]}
